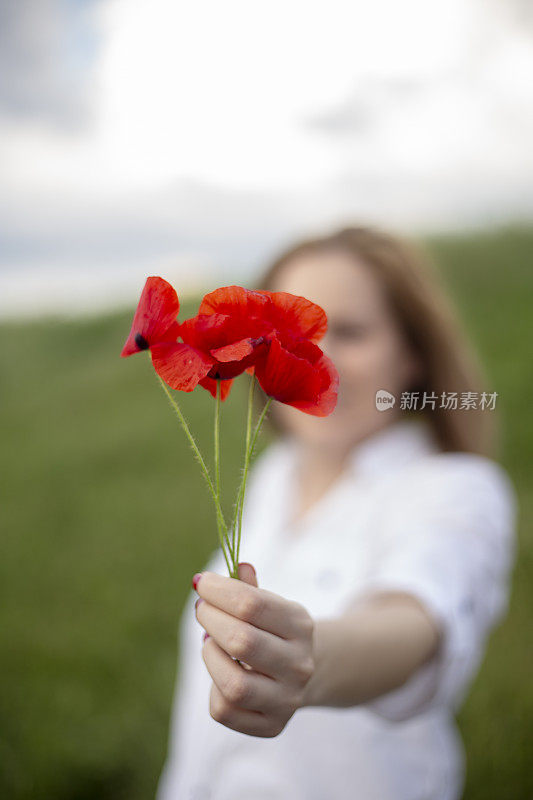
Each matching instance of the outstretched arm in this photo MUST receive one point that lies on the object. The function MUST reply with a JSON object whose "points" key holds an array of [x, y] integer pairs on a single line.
{"points": [[371, 649], [292, 661]]}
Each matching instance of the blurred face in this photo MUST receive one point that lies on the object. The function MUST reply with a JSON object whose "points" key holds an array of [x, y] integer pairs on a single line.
{"points": [[363, 341]]}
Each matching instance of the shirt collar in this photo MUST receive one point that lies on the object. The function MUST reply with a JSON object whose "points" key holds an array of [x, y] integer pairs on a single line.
{"points": [[383, 451], [392, 447]]}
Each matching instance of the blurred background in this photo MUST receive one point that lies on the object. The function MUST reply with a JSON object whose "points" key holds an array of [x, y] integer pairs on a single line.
{"points": [[194, 141]]}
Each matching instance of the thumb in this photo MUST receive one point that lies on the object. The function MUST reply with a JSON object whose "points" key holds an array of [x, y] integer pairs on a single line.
{"points": [[247, 573]]}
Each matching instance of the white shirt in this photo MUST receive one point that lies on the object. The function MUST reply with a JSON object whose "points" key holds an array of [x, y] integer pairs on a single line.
{"points": [[402, 516]]}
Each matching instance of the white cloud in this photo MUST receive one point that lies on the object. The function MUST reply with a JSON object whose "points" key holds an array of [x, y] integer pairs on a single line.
{"points": [[219, 129]]}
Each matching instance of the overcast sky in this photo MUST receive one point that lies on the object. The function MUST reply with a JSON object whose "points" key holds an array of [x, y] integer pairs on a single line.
{"points": [[194, 139]]}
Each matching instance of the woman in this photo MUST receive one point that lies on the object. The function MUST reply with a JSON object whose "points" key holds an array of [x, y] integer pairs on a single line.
{"points": [[382, 538]]}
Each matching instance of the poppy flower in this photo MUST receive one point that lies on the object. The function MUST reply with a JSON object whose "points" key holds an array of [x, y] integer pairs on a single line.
{"points": [[155, 317], [289, 365], [289, 316], [237, 329], [232, 338], [273, 335], [215, 347], [156, 328], [300, 375]]}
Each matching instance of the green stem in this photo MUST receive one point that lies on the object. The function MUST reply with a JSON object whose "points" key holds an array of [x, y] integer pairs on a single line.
{"points": [[238, 504], [221, 523], [248, 456], [217, 469], [217, 441]]}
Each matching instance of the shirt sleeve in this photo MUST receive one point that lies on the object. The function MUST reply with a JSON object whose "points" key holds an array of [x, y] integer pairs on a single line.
{"points": [[448, 539]]}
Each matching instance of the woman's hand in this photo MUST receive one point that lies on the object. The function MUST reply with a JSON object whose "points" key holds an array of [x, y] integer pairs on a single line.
{"points": [[272, 635]]}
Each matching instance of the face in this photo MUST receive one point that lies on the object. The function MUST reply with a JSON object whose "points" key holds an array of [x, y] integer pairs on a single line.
{"points": [[363, 341]]}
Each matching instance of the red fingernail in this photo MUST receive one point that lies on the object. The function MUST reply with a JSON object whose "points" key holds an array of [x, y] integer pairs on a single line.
{"points": [[206, 636], [195, 580], [197, 603]]}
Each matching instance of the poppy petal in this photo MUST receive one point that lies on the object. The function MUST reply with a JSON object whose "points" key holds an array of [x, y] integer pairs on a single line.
{"points": [[299, 316], [327, 398], [287, 377], [235, 301], [203, 330], [305, 378], [211, 385], [235, 342], [172, 334], [180, 365], [208, 331], [156, 312], [235, 351], [326, 401]]}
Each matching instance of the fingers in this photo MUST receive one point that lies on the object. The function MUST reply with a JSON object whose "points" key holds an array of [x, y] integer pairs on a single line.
{"points": [[254, 723], [262, 650], [240, 687], [247, 573], [259, 607]]}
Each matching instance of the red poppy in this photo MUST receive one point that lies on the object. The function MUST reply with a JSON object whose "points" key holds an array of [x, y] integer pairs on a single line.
{"points": [[285, 357], [230, 331], [237, 329], [155, 328], [289, 316], [155, 317], [215, 346]]}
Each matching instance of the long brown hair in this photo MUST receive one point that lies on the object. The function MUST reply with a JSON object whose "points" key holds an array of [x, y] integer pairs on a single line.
{"points": [[427, 319]]}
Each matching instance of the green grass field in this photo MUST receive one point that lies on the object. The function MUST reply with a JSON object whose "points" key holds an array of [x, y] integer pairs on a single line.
{"points": [[106, 518]]}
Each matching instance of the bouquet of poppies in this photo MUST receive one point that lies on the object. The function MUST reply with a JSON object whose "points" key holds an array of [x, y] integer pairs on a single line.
{"points": [[272, 336]]}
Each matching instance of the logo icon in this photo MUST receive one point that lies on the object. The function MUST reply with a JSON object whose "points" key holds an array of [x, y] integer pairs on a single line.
{"points": [[384, 400]]}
